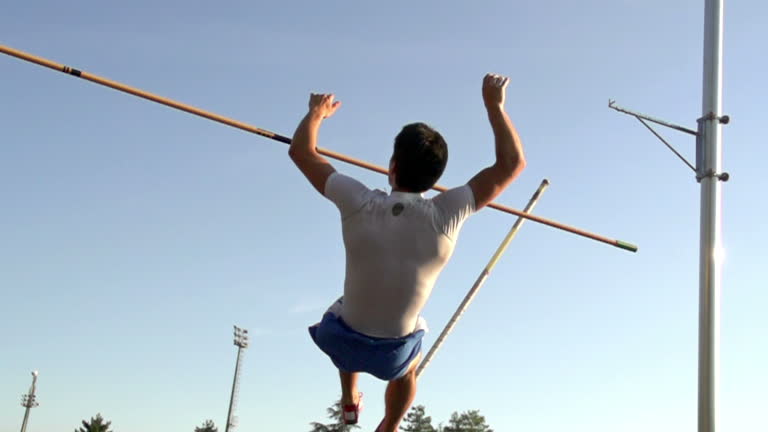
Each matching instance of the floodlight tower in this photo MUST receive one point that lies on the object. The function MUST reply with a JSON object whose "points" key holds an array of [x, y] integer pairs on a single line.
{"points": [[29, 400], [241, 341]]}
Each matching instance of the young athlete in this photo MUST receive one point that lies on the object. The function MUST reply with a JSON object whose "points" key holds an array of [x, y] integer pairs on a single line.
{"points": [[396, 245]]}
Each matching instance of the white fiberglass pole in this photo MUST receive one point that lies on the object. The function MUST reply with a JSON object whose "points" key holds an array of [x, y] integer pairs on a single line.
{"points": [[481, 279]]}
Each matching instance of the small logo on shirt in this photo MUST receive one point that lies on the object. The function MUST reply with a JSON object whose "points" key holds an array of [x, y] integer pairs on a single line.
{"points": [[397, 209]]}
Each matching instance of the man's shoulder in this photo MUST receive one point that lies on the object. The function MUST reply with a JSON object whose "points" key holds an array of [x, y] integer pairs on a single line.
{"points": [[457, 196]]}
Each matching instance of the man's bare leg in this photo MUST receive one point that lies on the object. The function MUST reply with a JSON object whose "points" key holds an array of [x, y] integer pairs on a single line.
{"points": [[399, 397], [349, 393]]}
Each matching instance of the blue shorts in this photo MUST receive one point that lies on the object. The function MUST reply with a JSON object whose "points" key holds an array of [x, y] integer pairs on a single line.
{"points": [[352, 351]]}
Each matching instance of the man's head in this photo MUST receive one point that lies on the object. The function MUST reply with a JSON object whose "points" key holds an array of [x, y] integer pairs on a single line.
{"points": [[419, 158]]}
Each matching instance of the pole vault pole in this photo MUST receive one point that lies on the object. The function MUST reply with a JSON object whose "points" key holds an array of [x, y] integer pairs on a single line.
{"points": [[480, 279], [265, 133]]}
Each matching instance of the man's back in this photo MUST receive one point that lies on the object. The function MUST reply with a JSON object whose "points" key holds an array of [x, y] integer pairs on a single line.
{"points": [[396, 246]]}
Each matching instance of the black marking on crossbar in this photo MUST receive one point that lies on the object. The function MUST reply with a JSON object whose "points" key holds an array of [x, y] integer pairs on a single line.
{"points": [[71, 71]]}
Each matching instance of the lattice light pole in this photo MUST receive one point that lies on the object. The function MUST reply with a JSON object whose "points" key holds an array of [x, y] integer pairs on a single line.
{"points": [[241, 341], [29, 400]]}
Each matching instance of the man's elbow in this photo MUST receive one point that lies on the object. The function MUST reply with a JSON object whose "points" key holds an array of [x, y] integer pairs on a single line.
{"points": [[521, 164], [512, 167], [295, 154]]}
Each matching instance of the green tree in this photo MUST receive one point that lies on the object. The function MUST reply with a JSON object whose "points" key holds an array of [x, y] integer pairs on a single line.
{"points": [[208, 426], [417, 421], [337, 425], [96, 424], [468, 421]]}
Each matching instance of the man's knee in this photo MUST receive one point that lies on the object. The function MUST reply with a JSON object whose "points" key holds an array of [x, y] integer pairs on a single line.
{"points": [[415, 364], [411, 374]]}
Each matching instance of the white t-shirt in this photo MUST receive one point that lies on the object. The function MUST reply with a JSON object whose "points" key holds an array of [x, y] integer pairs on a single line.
{"points": [[396, 245]]}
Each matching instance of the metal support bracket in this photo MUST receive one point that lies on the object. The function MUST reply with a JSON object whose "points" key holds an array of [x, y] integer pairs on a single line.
{"points": [[724, 176], [612, 105], [711, 116]]}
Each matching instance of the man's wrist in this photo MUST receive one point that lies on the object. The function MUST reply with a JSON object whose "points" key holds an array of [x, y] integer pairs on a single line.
{"points": [[315, 115], [494, 108]]}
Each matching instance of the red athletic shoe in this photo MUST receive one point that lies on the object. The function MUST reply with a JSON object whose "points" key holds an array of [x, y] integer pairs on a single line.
{"points": [[351, 413]]}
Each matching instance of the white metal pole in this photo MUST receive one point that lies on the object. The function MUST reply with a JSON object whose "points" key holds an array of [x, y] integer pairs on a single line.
{"points": [[711, 252]]}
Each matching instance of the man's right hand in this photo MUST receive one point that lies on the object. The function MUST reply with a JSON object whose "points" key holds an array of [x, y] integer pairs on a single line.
{"points": [[510, 161], [303, 150], [494, 90], [323, 104]]}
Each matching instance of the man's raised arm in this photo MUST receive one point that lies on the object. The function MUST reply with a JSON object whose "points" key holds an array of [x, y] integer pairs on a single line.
{"points": [[510, 161], [303, 149]]}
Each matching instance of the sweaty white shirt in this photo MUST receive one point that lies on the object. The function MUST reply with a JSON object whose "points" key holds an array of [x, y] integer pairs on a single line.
{"points": [[396, 245]]}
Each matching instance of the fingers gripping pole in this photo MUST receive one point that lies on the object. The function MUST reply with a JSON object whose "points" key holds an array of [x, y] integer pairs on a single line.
{"points": [[265, 133], [481, 279]]}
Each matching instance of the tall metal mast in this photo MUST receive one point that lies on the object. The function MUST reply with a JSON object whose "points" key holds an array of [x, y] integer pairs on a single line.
{"points": [[29, 400], [709, 161], [241, 341]]}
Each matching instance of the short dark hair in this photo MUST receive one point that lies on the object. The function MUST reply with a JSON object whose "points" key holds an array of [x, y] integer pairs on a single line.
{"points": [[420, 157]]}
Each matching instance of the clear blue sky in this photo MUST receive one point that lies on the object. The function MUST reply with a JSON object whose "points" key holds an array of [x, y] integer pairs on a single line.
{"points": [[133, 236]]}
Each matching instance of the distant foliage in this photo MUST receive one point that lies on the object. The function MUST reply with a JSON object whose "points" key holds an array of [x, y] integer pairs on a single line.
{"points": [[208, 426], [337, 425], [96, 424], [468, 421], [417, 421]]}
